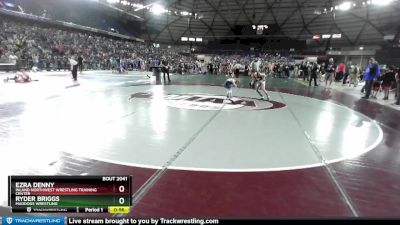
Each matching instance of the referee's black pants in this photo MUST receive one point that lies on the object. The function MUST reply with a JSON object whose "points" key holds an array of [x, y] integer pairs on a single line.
{"points": [[166, 71], [75, 72], [313, 77]]}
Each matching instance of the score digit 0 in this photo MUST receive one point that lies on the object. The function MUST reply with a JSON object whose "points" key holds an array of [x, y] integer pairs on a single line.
{"points": [[121, 200], [121, 189]]}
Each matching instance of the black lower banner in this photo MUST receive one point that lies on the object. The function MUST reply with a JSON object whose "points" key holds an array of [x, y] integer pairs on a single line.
{"points": [[211, 221], [60, 220]]}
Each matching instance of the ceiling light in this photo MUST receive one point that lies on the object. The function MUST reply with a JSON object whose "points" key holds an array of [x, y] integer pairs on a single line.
{"points": [[326, 36], [316, 37], [112, 1], [157, 9], [345, 6], [381, 2]]}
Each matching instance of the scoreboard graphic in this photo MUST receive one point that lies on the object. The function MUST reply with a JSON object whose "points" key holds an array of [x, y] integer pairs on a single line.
{"points": [[63, 194]]}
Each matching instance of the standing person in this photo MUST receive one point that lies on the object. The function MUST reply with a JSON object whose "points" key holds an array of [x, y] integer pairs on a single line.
{"points": [[80, 63], [59, 63], [340, 71], [347, 72], [291, 71], [118, 64], [260, 83], [254, 69], [216, 68], [74, 69], [13, 60], [300, 72], [165, 68], [354, 72], [376, 87], [388, 79], [267, 70], [362, 79], [305, 69], [203, 68], [372, 72], [210, 68], [398, 87], [35, 59], [236, 69], [229, 84], [322, 71], [286, 71], [180, 69], [314, 74], [296, 71], [114, 66], [330, 69]]}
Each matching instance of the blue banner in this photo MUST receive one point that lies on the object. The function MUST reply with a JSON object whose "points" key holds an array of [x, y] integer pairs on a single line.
{"points": [[26, 220]]}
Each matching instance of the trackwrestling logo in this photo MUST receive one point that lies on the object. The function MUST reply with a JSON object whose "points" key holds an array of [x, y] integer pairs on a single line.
{"points": [[210, 102]]}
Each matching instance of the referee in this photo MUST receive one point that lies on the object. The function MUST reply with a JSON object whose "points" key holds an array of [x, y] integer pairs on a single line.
{"points": [[74, 68], [80, 63], [165, 68]]}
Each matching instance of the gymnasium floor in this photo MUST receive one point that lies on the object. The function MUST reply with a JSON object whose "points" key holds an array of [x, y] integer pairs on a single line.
{"points": [[310, 151]]}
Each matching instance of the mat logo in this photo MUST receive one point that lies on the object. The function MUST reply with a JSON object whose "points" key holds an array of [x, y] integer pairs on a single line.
{"points": [[210, 102], [9, 220]]}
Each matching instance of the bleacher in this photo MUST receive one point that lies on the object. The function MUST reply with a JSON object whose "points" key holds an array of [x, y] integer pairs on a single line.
{"points": [[6, 65], [388, 56]]}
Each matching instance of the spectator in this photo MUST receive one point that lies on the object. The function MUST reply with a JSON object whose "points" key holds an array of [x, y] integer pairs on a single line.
{"points": [[388, 79], [372, 73], [398, 87], [347, 72]]}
